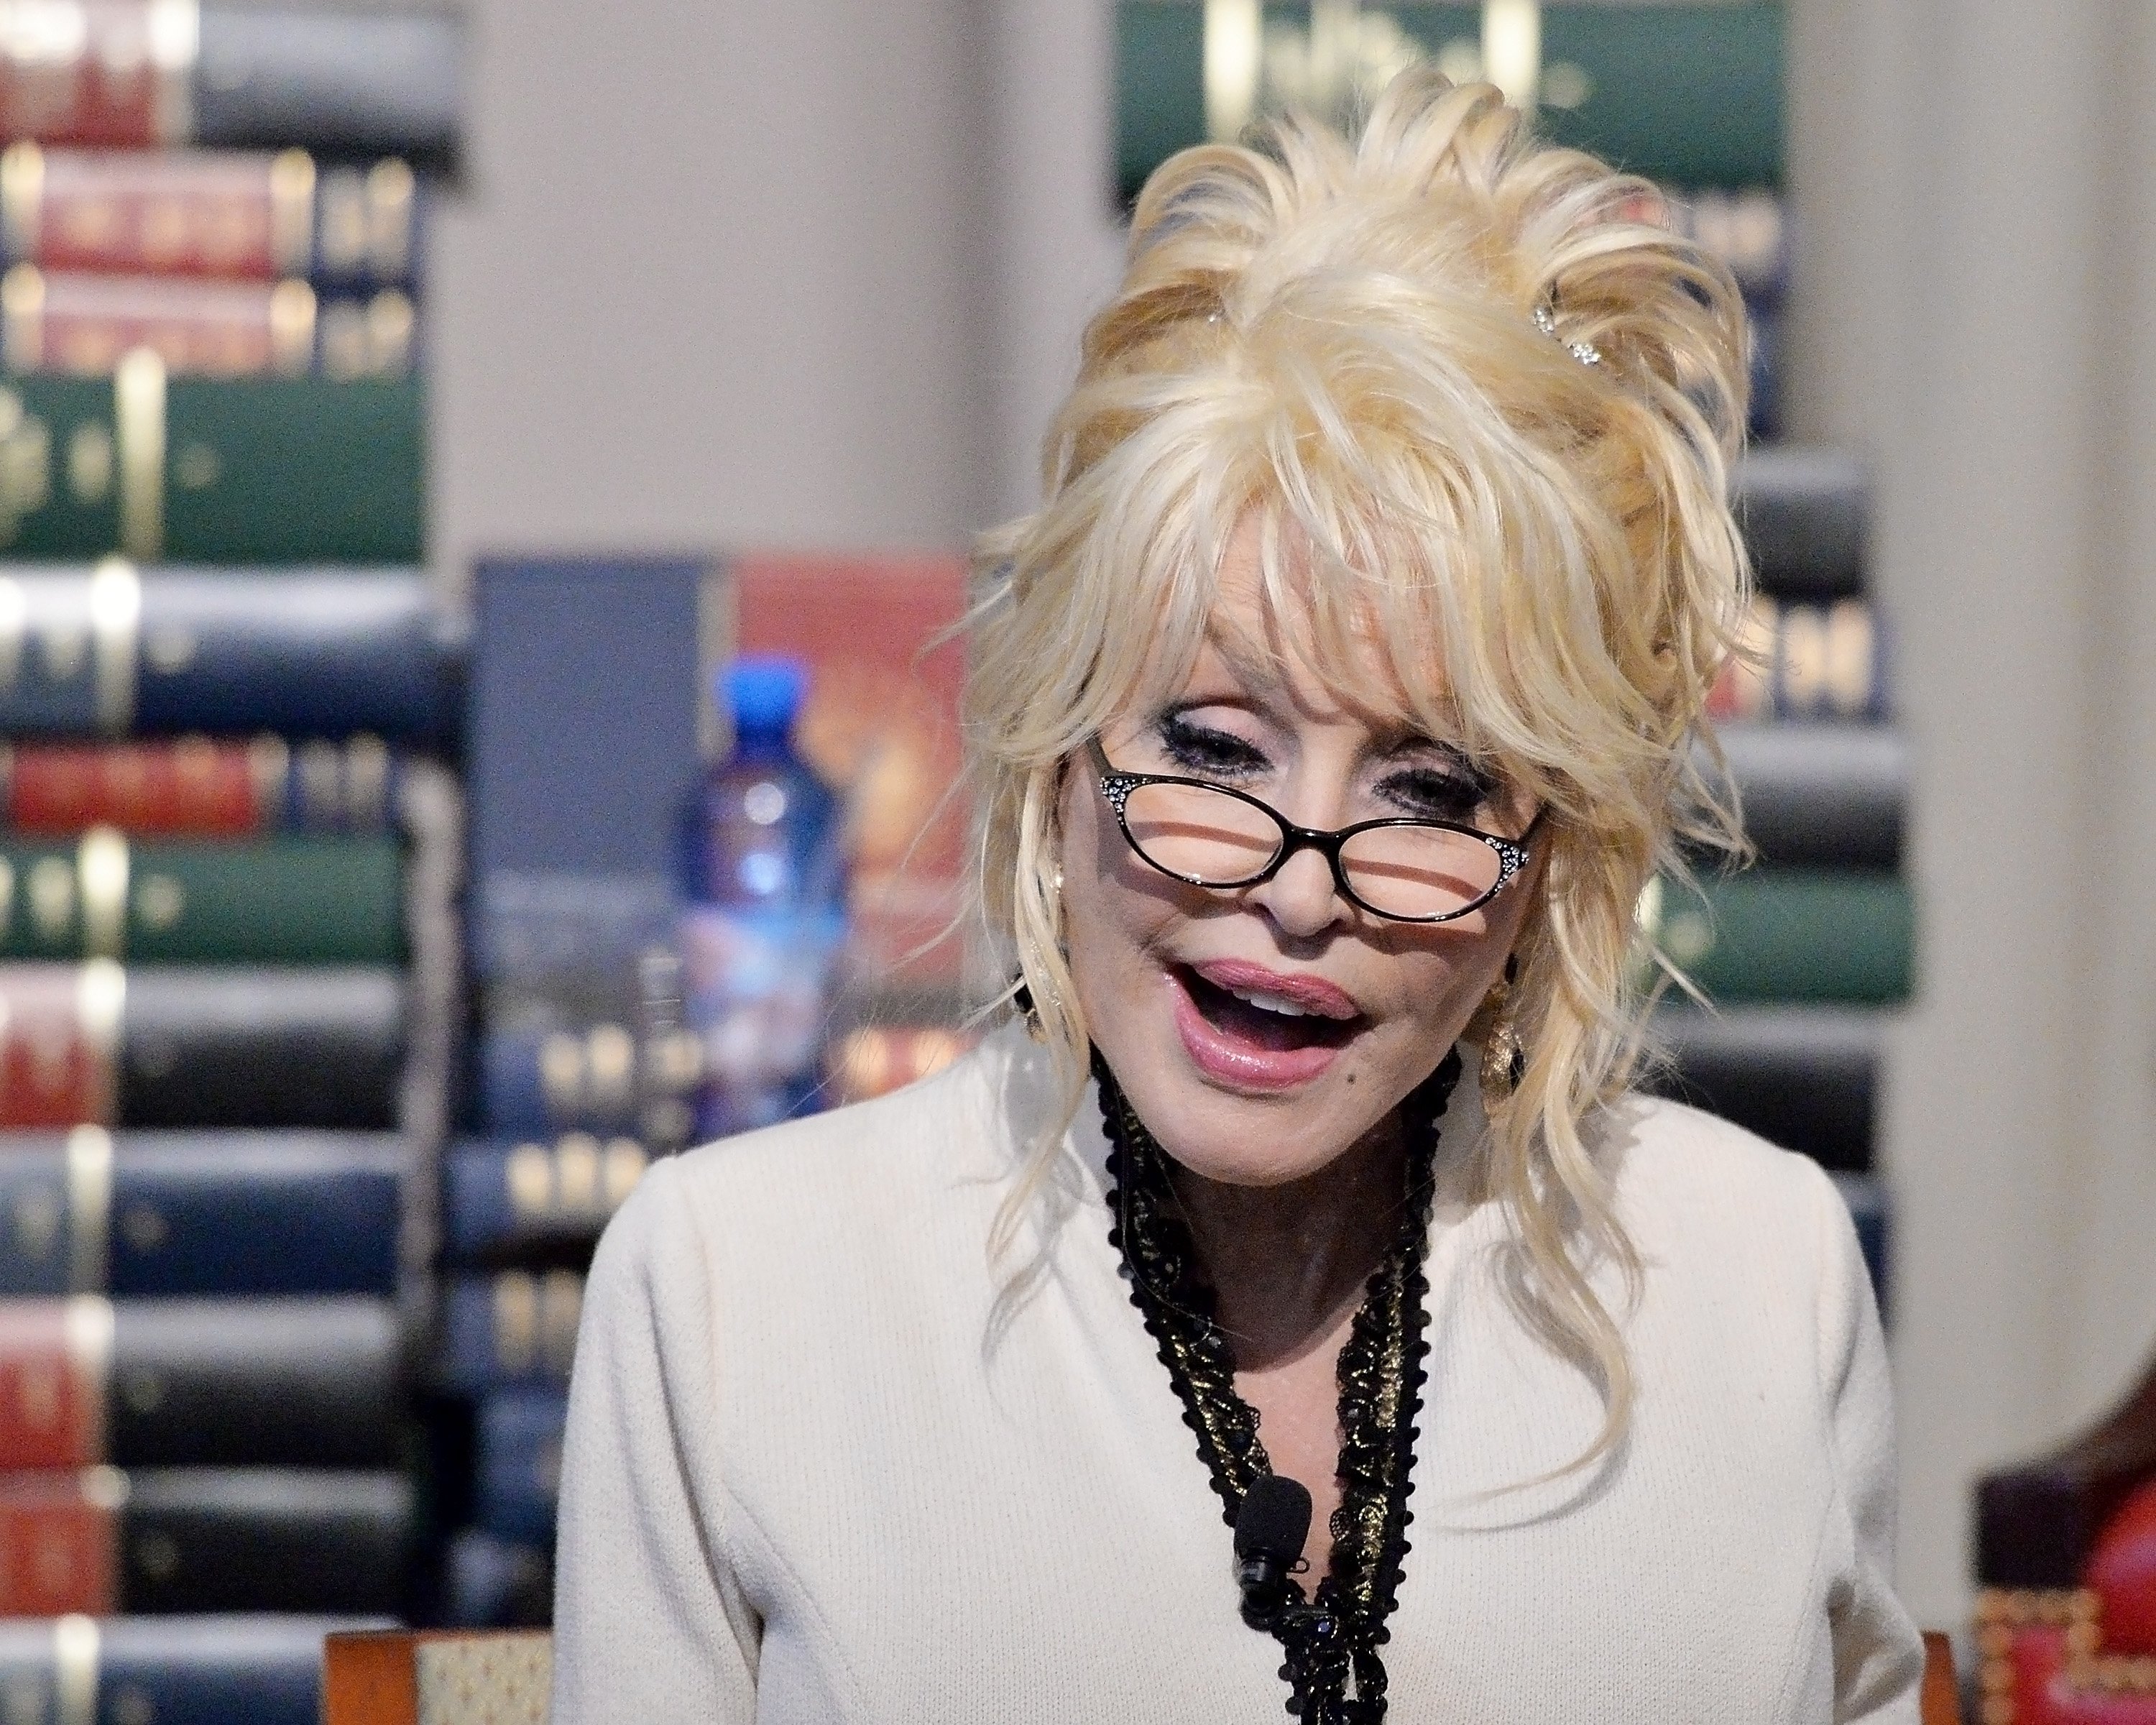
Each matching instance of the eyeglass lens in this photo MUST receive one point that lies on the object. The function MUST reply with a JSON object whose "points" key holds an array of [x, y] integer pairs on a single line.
{"points": [[1209, 836]]}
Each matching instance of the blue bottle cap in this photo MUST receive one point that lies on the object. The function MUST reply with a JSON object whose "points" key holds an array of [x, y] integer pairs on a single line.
{"points": [[763, 692]]}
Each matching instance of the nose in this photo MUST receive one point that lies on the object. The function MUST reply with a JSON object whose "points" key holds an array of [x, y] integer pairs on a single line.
{"points": [[1300, 899]]}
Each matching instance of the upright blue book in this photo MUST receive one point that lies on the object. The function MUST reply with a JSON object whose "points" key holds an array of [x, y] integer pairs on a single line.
{"points": [[514, 1327], [165, 1212], [579, 745], [502, 1203], [170, 1671], [323, 652], [518, 1478]]}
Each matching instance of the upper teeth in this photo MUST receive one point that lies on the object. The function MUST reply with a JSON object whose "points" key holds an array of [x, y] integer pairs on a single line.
{"points": [[1271, 1003]]}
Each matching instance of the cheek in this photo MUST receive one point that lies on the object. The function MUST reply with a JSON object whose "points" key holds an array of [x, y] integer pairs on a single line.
{"points": [[1111, 914]]}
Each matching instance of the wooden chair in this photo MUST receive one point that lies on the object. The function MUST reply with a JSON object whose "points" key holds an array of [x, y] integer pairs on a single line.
{"points": [[448, 1677]]}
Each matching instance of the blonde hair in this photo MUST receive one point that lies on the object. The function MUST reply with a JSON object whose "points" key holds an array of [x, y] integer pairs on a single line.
{"points": [[1344, 338]]}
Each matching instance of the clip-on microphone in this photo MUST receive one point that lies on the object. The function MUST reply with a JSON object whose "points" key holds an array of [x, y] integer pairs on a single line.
{"points": [[1269, 1530]]}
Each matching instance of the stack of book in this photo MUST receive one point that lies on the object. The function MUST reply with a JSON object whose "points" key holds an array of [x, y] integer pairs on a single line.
{"points": [[228, 853], [1801, 957], [582, 747]]}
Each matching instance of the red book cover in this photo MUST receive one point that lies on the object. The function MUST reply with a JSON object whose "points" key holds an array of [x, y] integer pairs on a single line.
{"points": [[192, 787], [59, 1538], [882, 724], [79, 324], [52, 1373], [244, 216], [59, 1043], [99, 72]]}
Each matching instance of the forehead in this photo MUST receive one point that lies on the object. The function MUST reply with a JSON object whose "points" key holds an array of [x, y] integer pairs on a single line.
{"points": [[1269, 629]]}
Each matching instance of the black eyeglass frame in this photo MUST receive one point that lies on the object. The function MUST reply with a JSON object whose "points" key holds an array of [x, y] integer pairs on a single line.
{"points": [[1513, 855]]}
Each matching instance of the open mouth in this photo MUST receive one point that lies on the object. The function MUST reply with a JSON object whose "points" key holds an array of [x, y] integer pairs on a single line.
{"points": [[1270, 1023]]}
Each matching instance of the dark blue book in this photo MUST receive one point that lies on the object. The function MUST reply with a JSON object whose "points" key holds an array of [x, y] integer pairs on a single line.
{"points": [[579, 745], [1869, 1208], [143, 1213], [510, 1328], [518, 1468], [324, 652], [169, 1670], [492, 1583], [507, 1203]]}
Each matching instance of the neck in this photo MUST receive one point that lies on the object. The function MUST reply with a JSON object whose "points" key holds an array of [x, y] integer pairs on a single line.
{"points": [[1288, 1263]]}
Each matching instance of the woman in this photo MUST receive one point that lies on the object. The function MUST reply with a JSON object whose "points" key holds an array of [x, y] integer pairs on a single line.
{"points": [[1331, 714]]}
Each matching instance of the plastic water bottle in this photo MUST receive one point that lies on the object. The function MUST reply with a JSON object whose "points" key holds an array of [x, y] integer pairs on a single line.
{"points": [[763, 879]]}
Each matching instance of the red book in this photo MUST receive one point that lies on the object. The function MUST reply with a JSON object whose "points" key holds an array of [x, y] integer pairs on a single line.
{"points": [[54, 1355], [882, 724], [192, 788], [59, 1043], [80, 325], [59, 1538], [100, 72], [236, 215]]}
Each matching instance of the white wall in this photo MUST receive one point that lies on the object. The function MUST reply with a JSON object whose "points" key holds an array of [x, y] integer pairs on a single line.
{"points": [[713, 282]]}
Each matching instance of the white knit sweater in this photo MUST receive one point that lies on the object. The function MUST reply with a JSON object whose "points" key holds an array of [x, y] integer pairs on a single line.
{"points": [[816, 1474]]}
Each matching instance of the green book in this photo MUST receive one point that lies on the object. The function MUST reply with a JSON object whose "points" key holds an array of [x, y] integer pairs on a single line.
{"points": [[1688, 95], [211, 469], [1846, 935], [297, 901]]}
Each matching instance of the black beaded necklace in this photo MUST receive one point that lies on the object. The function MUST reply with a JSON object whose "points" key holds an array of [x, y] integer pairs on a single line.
{"points": [[1331, 1642]]}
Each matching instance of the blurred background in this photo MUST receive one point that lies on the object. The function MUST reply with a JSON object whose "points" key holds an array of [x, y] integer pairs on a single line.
{"points": [[583, 351]]}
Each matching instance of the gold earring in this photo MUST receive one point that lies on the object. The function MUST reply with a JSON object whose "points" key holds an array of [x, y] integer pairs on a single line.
{"points": [[1504, 1060]]}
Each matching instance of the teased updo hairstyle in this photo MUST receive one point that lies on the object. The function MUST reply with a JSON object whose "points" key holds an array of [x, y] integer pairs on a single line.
{"points": [[1342, 337]]}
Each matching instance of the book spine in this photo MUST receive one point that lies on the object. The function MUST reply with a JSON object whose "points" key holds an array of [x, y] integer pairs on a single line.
{"points": [[1795, 935], [71, 323], [1805, 514], [232, 215], [200, 1213], [358, 82], [291, 901], [201, 1383], [56, 1362], [518, 1473], [60, 1542], [99, 1044], [1805, 662], [1602, 90], [195, 787], [1871, 1212], [133, 73], [102, 1543], [1820, 796], [600, 1078], [1804, 1077], [198, 1671], [312, 653], [512, 1327], [321, 1048], [488, 1583], [503, 1202], [255, 470]]}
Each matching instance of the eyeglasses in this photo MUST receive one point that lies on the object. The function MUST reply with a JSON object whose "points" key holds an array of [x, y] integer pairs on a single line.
{"points": [[1403, 871]]}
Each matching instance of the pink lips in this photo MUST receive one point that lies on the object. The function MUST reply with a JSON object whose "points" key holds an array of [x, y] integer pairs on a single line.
{"points": [[1237, 1062]]}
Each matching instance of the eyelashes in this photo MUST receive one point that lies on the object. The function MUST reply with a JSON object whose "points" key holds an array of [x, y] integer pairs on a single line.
{"points": [[1455, 792]]}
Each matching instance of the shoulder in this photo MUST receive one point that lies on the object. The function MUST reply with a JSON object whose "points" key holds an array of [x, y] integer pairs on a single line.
{"points": [[904, 1183], [1722, 1213]]}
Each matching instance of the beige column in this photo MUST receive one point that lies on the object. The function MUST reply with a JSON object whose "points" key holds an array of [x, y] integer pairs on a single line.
{"points": [[1976, 237]]}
